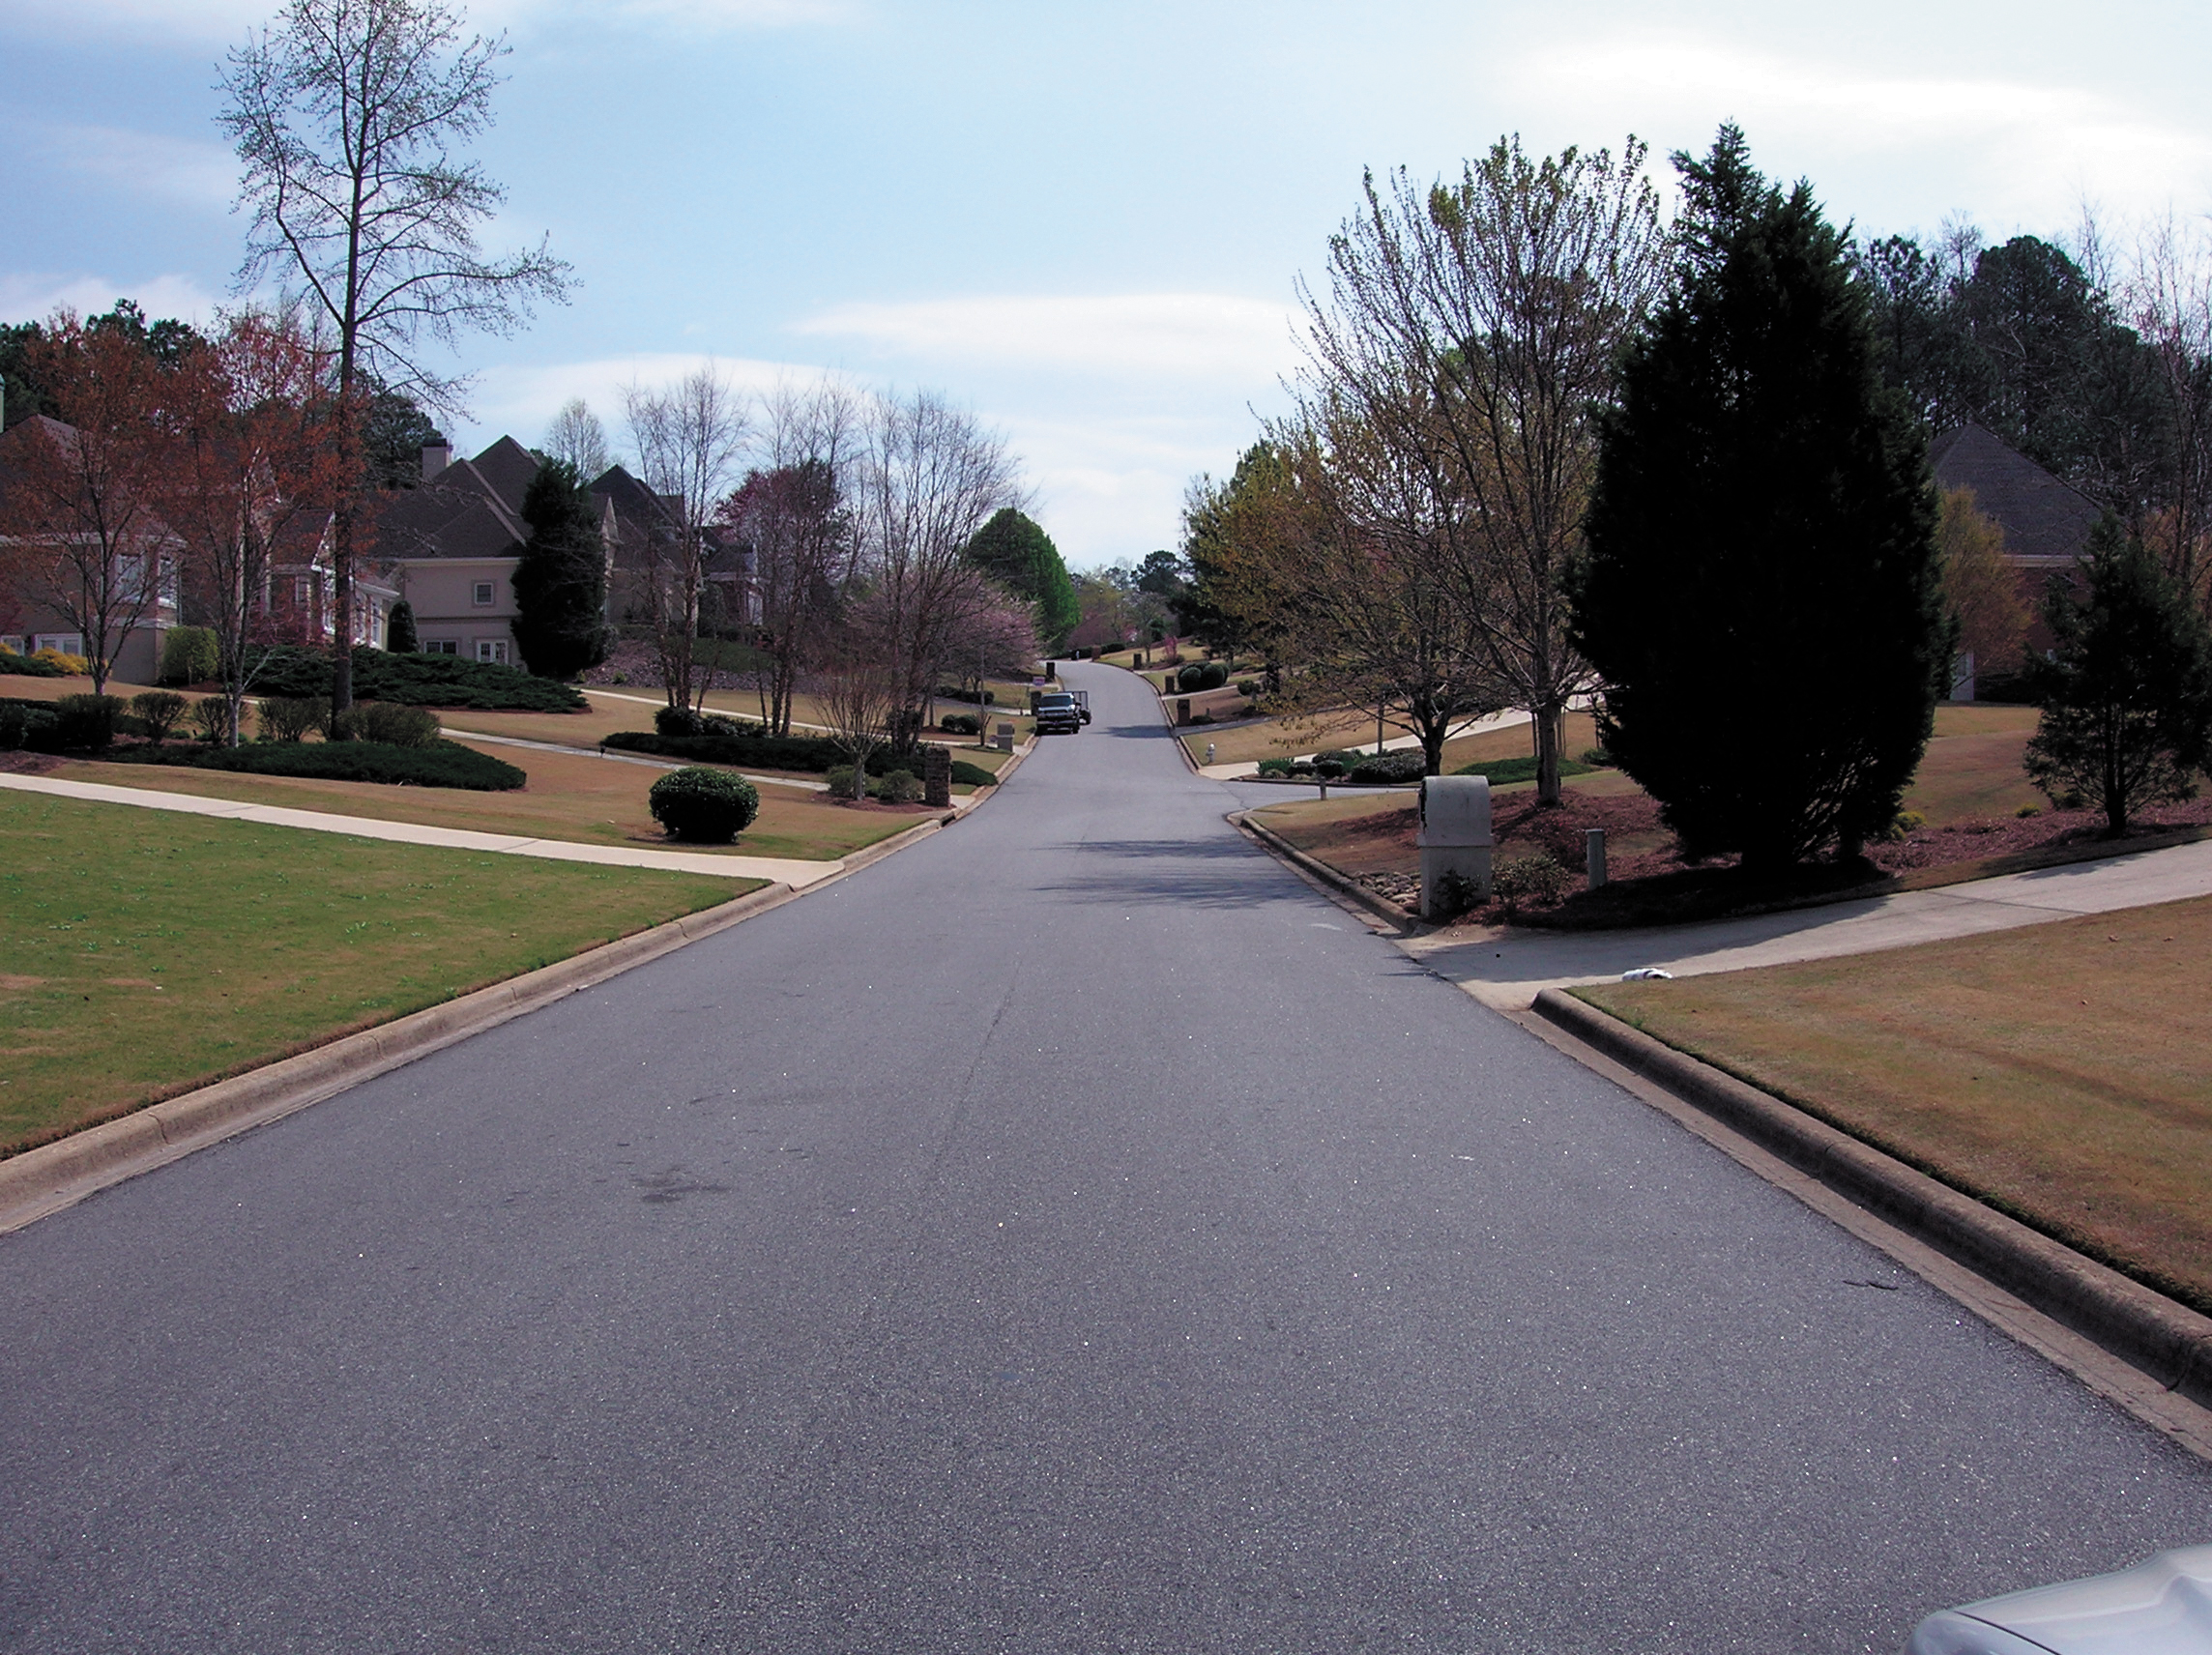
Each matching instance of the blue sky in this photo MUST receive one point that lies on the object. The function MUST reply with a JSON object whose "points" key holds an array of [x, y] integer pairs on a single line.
{"points": [[1085, 220]]}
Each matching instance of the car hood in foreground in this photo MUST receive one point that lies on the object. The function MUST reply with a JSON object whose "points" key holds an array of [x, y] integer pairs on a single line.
{"points": [[2161, 1607]]}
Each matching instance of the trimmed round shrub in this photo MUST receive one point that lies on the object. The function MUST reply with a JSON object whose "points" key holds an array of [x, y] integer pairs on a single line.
{"points": [[1538, 878], [1388, 769], [286, 719], [900, 787], [209, 718], [961, 724], [1213, 675], [678, 721], [190, 655], [23, 723], [1191, 677], [703, 806], [387, 722], [158, 712]]}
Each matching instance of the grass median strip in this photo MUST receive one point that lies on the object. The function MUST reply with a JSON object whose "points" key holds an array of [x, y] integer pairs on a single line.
{"points": [[2058, 1072], [148, 954]]}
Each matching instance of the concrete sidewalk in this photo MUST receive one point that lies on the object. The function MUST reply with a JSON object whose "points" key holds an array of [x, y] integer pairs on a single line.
{"points": [[799, 875], [1506, 971], [1395, 744]]}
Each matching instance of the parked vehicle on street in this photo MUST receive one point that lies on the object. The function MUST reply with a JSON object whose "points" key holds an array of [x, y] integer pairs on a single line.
{"points": [[1059, 713], [2161, 1607]]}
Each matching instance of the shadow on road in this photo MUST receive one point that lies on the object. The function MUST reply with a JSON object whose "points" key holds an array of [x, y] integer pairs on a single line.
{"points": [[1178, 871]]}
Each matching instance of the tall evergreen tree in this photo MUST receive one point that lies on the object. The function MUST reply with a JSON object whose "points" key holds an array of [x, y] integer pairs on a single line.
{"points": [[2127, 690], [1013, 552], [561, 582], [1760, 593]]}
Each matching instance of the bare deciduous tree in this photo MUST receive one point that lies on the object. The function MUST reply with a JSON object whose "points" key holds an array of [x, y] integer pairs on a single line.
{"points": [[1505, 299], [691, 440], [930, 477], [577, 437], [346, 116]]}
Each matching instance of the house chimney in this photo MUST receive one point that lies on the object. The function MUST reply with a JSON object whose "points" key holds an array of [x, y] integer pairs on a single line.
{"points": [[437, 455]]}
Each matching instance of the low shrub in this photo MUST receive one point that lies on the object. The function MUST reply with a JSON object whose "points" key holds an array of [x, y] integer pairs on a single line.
{"points": [[415, 681], [703, 806], [387, 722], [1597, 757], [840, 780], [1248, 688], [1188, 677], [287, 718], [678, 721], [2028, 810], [29, 666], [190, 655], [1455, 894], [1538, 879], [158, 711], [961, 724], [899, 787], [966, 775], [210, 719], [1381, 769], [443, 763], [81, 724], [1275, 767], [1905, 825], [64, 665], [23, 724], [744, 746]]}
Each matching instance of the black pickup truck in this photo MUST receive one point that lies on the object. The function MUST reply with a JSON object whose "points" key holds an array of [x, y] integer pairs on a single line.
{"points": [[1062, 711]]}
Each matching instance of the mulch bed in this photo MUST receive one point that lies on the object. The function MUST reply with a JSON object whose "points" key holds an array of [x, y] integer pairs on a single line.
{"points": [[1659, 888]]}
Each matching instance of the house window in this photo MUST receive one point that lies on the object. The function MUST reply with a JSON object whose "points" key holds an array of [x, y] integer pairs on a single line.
{"points": [[481, 596], [441, 645], [299, 590], [13, 644], [68, 643], [492, 649]]}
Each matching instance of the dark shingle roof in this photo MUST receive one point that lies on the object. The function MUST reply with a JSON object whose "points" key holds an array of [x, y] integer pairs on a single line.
{"points": [[2042, 517]]}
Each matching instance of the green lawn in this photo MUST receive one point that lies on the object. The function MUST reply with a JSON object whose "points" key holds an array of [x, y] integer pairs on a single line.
{"points": [[148, 953]]}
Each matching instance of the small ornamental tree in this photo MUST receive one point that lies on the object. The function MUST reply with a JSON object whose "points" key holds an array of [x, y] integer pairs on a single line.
{"points": [[1760, 593], [2127, 690], [561, 580], [399, 637]]}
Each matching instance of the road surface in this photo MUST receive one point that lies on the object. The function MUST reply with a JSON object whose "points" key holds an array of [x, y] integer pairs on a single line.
{"points": [[1071, 1235]]}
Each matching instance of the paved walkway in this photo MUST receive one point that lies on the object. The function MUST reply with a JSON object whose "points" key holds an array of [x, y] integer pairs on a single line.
{"points": [[783, 870], [1507, 972], [1395, 744]]}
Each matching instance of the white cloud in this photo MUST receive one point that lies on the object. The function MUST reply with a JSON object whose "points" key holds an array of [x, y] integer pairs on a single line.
{"points": [[191, 172], [2040, 147], [32, 297], [1145, 336]]}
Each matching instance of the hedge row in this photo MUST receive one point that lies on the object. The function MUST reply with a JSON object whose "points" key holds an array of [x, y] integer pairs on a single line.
{"points": [[415, 681], [728, 743], [442, 763], [30, 666]]}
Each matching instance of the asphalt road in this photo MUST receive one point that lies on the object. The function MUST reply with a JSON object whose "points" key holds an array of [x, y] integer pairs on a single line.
{"points": [[1070, 1235]]}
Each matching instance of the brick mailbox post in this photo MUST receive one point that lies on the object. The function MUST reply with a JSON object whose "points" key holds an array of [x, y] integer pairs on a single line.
{"points": [[937, 775]]}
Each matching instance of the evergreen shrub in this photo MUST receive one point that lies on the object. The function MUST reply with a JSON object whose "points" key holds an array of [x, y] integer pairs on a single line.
{"points": [[158, 711], [288, 718], [703, 806], [387, 722], [190, 655]]}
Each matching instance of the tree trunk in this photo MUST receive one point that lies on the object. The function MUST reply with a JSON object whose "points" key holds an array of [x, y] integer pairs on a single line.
{"points": [[341, 600], [1551, 734]]}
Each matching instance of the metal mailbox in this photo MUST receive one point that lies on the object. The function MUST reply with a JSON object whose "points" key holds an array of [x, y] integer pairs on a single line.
{"points": [[1455, 836]]}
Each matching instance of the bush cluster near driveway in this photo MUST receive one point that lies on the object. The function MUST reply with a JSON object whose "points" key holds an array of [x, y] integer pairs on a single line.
{"points": [[149, 953], [2057, 1071], [415, 681], [712, 740]]}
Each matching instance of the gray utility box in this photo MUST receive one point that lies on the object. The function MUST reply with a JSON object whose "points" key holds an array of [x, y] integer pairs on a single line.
{"points": [[1455, 836]]}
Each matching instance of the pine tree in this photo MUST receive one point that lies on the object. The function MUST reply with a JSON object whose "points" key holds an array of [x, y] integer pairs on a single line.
{"points": [[400, 630], [1761, 591], [561, 582], [1013, 552], [2127, 690]]}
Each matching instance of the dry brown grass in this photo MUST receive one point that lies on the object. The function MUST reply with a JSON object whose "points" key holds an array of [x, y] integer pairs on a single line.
{"points": [[2059, 1071]]}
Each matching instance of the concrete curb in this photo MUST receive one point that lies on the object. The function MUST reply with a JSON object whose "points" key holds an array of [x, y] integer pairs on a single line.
{"points": [[1382, 906], [2162, 1338]]}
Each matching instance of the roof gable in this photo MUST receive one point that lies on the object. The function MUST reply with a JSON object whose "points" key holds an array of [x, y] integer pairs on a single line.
{"points": [[507, 468], [2042, 517]]}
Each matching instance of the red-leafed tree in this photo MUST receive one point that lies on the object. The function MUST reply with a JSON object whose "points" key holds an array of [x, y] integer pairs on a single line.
{"points": [[77, 507], [260, 455]]}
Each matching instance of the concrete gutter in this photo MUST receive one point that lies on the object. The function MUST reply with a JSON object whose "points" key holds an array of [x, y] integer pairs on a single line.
{"points": [[59, 1175], [2152, 1333], [1380, 906]]}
